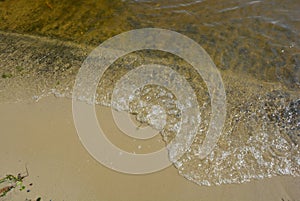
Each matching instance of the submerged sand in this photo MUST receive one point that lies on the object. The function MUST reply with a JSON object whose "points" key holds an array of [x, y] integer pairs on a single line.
{"points": [[43, 137]]}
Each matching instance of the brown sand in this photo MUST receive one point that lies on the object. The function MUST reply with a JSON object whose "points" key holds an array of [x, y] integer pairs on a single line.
{"points": [[42, 135]]}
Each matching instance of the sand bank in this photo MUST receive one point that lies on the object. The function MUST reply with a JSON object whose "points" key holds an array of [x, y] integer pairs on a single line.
{"points": [[43, 136]]}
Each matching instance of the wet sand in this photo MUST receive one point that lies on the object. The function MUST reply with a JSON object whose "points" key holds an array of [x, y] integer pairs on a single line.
{"points": [[43, 136]]}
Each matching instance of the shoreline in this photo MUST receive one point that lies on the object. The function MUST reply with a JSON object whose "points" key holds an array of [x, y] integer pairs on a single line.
{"points": [[255, 48], [43, 137]]}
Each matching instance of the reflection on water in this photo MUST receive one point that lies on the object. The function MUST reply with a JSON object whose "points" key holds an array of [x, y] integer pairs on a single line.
{"points": [[257, 41]]}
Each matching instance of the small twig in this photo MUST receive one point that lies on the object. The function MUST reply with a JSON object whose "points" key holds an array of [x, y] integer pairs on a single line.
{"points": [[17, 181], [5, 190], [20, 177]]}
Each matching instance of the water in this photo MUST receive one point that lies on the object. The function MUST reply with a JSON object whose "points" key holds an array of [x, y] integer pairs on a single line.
{"points": [[254, 44]]}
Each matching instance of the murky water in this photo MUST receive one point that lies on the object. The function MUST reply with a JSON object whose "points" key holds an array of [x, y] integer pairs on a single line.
{"points": [[254, 44]]}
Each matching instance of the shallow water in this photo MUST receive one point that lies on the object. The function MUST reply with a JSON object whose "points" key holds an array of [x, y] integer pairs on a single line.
{"points": [[254, 44], [260, 38]]}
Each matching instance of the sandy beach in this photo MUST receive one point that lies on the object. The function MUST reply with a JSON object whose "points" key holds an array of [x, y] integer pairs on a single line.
{"points": [[43, 136]]}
